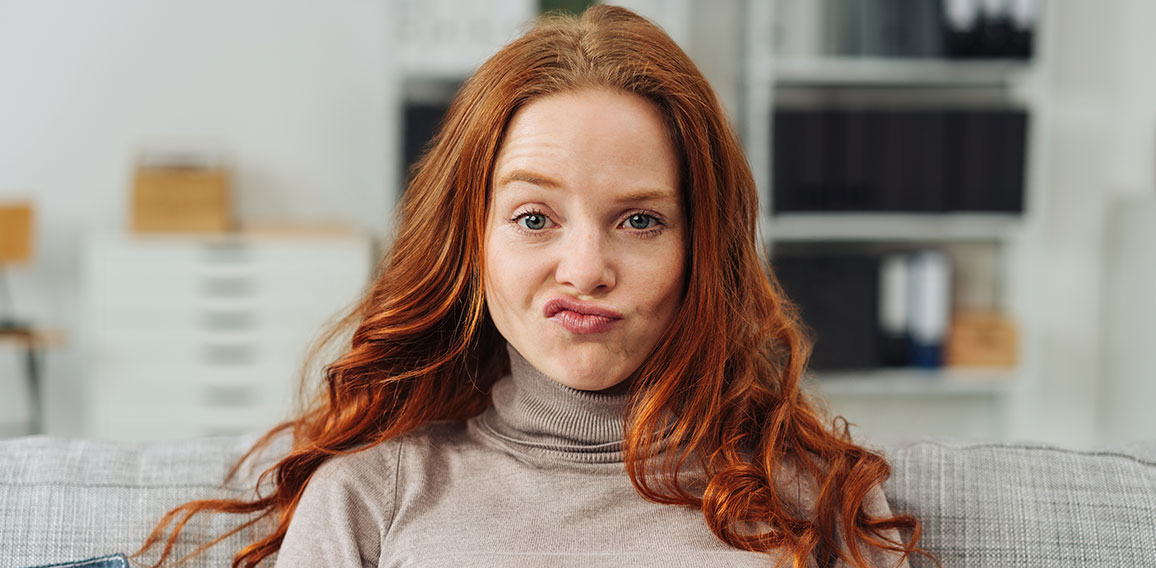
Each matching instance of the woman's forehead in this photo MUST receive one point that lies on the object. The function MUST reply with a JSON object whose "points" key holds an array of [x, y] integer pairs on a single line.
{"points": [[588, 137]]}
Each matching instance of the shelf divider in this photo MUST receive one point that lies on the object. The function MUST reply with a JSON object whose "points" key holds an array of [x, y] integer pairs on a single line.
{"points": [[948, 381], [924, 227]]}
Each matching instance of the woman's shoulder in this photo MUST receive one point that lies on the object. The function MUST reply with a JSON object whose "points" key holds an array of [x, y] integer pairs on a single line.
{"points": [[369, 463], [363, 479], [350, 498], [373, 463]]}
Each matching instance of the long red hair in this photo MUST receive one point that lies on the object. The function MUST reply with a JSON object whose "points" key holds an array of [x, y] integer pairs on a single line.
{"points": [[423, 347]]}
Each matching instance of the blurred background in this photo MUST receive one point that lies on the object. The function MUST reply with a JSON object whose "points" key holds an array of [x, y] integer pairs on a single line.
{"points": [[961, 195]]}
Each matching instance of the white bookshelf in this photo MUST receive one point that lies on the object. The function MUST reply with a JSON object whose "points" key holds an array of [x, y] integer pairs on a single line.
{"points": [[871, 71], [888, 382], [896, 404], [883, 227]]}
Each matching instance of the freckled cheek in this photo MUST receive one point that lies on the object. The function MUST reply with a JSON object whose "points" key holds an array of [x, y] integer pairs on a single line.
{"points": [[497, 280], [514, 277], [658, 281], [664, 300]]}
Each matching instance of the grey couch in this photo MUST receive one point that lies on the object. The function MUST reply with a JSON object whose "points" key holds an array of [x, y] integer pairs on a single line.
{"points": [[981, 504]]}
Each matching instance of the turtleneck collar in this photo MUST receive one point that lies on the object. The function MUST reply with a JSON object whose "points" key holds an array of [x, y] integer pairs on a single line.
{"points": [[538, 414]]}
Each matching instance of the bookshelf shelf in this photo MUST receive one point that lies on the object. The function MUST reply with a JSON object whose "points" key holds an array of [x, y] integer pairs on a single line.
{"points": [[916, 382], [822, 92], [887, 227], [882, 71]]}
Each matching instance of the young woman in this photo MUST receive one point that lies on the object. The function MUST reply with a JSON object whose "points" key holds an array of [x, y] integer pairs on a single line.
{"points": [[574, 353]]}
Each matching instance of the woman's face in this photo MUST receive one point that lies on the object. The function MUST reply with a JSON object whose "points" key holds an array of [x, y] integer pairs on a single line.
{"points": [[584, 243]]}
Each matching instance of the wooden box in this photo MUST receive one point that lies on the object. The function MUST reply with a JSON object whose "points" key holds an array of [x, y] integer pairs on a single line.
{"points": [[181, 200], [981, 339]]}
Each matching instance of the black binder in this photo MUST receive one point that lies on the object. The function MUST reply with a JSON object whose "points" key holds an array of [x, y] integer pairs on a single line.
{"points": [[838, 297], [915, 160]]}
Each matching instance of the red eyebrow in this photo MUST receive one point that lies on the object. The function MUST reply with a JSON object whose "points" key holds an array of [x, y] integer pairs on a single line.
{"points": [[528, 177], [541, 180], [648, 195]]}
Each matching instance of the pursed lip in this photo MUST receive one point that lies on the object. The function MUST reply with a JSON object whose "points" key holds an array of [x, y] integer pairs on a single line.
{"points": [[557, 305]]}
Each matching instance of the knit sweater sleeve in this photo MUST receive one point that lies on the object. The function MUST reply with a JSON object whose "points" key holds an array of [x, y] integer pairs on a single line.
{"points": [[344, 512]]}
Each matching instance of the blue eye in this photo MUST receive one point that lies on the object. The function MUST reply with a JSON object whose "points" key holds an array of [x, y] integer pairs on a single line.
{"points": [[640, 221], [532, 221]]}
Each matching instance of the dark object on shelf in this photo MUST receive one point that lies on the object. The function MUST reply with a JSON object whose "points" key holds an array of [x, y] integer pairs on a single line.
{"points": [[984, 169], [930, 308], [1022, 40], [838, 295], [895, 350], [959, 29], [869, 307], [995, 36], [894, 342], [973, 29], [421, 121], [813, 151], [917, 160], [912, 146]]}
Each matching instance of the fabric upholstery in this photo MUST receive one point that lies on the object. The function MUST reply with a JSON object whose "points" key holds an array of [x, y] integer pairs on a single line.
{"points": [[64, 500], [1029, 505], [980, 504]]}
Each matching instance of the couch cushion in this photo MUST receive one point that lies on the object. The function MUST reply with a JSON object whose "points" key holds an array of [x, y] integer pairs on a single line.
{"points": [[71, 499], [1028, 504], [980, 504]]}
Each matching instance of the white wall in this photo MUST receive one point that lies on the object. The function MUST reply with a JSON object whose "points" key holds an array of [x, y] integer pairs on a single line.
{"points": [[296, 90], [1103, 119]]}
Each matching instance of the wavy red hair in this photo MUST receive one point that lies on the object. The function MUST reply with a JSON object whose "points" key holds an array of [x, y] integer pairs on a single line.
{"points": [[423, 347]]}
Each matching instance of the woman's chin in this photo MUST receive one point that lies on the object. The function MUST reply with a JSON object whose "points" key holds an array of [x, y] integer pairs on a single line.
{"points": [[593, 384], [588, 377], [584, 366]]}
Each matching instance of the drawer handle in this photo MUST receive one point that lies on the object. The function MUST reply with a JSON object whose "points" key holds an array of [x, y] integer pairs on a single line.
{"points": [[228, 320], [225, 253], [221, 431], [230, 396], [225, 354], [227, 286]]}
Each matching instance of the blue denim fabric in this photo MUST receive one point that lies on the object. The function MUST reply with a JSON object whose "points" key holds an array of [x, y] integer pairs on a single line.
{"points": [[113, 561]]}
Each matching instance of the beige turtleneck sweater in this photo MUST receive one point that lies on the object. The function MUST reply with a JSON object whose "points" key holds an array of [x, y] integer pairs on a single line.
{"points": [[536, 481]]}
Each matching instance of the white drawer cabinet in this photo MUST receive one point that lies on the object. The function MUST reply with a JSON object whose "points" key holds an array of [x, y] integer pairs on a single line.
{"points": [[196, 336]]}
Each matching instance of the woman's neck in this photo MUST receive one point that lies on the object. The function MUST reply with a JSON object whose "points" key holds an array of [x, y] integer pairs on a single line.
{"points": [[537, 414]]}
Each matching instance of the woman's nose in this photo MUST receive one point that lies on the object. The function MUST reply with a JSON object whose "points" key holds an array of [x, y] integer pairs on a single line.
{"points": [[585, 263]]}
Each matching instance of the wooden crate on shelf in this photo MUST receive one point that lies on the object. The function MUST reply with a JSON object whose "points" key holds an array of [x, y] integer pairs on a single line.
{"points": [[981, 339]]}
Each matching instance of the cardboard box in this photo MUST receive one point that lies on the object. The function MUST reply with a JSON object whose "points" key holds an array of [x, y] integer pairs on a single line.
{"points": [[981, 339], [181, 200], [15, 232]]}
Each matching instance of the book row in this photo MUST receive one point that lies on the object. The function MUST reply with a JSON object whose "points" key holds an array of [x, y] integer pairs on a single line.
{"points": [[905, 160]]}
